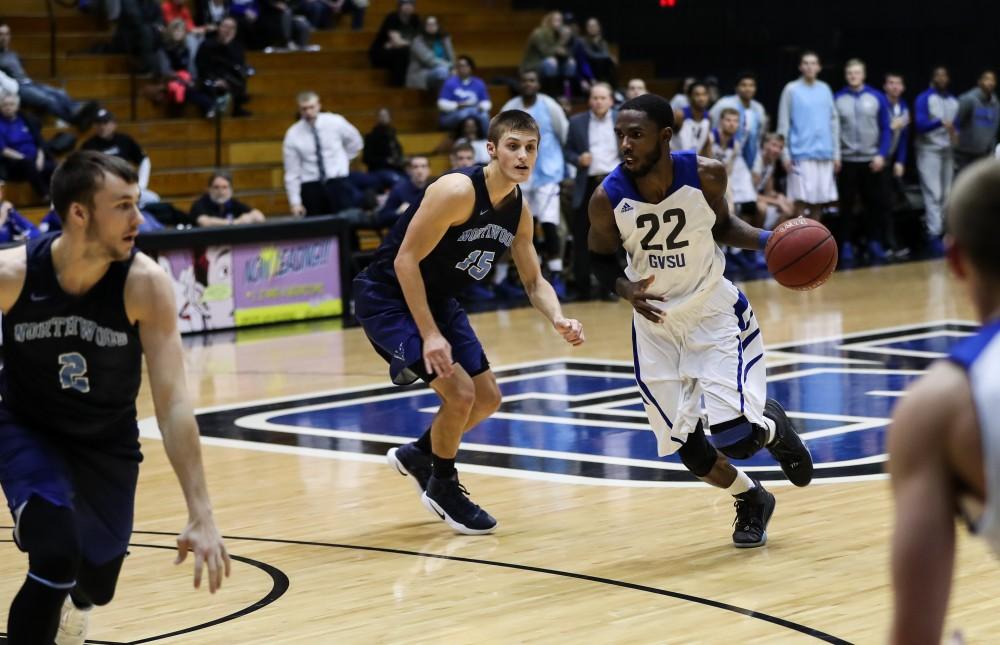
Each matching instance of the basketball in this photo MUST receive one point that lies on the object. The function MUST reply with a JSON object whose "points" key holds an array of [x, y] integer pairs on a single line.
{"points": [[801, 254]]}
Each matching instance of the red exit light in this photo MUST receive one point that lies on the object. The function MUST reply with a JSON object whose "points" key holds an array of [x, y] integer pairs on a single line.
{"points": [[668, 3]]}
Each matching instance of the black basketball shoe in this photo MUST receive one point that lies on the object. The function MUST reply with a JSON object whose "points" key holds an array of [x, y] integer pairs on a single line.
{"points": [[753, 512], [787, 448], [410, 461], [448, 499]]}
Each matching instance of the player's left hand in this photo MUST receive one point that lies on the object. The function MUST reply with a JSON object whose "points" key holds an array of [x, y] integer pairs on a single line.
{"points": [[570, 329], [202, 537]]}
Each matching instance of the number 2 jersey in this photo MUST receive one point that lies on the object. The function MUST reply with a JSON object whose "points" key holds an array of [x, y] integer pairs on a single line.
{"points": [[72, 365], [671, 240], [465, 254]]}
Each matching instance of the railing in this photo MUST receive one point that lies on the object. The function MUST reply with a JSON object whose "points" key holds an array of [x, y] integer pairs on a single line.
{"points": [[53, 67]]}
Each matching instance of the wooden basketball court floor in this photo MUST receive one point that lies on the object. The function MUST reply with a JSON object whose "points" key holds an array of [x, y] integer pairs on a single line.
{"points": [[330, 546]]}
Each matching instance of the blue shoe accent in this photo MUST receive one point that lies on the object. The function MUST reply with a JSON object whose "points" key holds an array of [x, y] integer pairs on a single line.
{"points": [[846, 253], [935, 247], [559, 286], [478, 293], [410, 461], [447, 499], [876, 251]]}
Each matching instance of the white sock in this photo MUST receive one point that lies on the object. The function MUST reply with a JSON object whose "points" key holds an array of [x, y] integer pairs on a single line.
{"points": [[555, 266], [741, 484], [772, 430], [500, 272]]}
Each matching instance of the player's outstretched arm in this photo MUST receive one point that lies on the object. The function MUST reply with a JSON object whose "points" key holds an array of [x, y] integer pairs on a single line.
{"points": [[13, 268], [448, 202], [729, 228], [923, 488], [540, 292], [603, 244], [149, 300]]}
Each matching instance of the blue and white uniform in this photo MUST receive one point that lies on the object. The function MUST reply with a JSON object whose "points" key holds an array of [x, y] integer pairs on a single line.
{"points": [[979, 356], [709, 344]]}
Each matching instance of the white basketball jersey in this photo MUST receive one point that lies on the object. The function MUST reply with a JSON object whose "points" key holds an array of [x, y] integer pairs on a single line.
{"points": [[691, 135], [671, 240]]}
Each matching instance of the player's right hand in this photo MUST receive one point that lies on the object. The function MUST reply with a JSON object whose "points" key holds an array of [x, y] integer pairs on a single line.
{"points": [[298, 211], [437, 356], [637, 295], [202, 537]]}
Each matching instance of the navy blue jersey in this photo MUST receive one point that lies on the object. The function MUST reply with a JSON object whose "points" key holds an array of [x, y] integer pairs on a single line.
{"points": [[467, 251], [72, 364]]}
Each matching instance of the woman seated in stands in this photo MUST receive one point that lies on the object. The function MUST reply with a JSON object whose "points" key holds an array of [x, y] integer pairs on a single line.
{"points": [[177, 68], [431, 57]]}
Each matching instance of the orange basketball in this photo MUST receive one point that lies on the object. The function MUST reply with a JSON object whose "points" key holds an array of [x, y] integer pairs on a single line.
{"points": [[801, 254]]}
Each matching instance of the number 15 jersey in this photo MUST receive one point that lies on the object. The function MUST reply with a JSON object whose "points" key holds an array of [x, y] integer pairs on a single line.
{"points": [[671, 240]]}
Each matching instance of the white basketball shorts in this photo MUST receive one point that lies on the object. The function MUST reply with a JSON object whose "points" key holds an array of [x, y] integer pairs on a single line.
{"points": [[812, 182], [544, 202]]}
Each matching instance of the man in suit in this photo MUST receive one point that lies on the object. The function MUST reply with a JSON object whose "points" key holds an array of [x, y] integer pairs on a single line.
{"points": [[592, 147]]}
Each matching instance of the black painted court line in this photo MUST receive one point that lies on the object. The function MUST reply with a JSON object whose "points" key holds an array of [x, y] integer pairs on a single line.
{"points": [[781, 622], [279, 585]]}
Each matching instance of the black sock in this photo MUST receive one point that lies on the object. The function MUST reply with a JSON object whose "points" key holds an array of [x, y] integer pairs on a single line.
{"points": [[443, 468], [34, 614], [424, 442]]}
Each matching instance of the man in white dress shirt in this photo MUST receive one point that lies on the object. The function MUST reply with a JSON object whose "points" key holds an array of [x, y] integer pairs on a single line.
{"points": [[317, 150]]}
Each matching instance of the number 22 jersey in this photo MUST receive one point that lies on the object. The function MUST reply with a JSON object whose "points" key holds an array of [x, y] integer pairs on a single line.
{"points": [[72, 364], [671, 240]]}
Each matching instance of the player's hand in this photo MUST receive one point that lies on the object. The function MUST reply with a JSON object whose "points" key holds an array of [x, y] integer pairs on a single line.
{"points": [[585, 160], [202, 537], [437, 356], [298, 211], [570, 329], [877, 163], [836, 166], [637, 296], [898, 169]]}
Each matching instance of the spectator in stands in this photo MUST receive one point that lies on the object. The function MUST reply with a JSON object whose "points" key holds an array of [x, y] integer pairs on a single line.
{"points": [[542, 190], [318, 149], [593, 56], [636, 87], [692, 127], [283, 28], [138, 33], [680, 100], [753, 118], [222, 67], [178, 10], [22, 148], [899, 124], [431, 57], [591, 146], [865, 137], [210, 13], [218, 207], [391, 48], [464, 95], [40, 96], [772, 204], [462, 156], [383, 154], [549, 53], [324, 14], [408, 191], [808, 121], [727, 147], [934, 118], [14, 227], [471, 131], [977, 120], [177, 68], [118, 144]]}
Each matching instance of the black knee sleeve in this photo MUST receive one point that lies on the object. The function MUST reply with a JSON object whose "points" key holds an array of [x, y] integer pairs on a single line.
{"points": [[697, 454], [551, 245], [738, 439], [95, 585], [48, 534]]}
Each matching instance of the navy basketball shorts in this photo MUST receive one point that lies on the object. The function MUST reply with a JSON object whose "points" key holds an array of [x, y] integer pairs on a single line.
{"points": [[390, 328], [97, 482]]}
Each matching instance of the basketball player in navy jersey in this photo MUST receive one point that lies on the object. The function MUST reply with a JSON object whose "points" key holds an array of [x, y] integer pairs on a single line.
{"points": [[944, 442], [80, 308], [694, 334], [405, 300]]}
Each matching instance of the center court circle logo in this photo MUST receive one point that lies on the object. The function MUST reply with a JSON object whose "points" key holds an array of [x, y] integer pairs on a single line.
{"points": [[583, 422]]}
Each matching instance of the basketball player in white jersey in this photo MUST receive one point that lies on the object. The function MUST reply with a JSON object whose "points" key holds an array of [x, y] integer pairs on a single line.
{"points": [[944, 444], [694, 335], [693, 124]]}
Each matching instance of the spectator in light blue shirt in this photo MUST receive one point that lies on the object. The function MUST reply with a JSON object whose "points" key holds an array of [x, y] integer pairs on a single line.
{"points": [[464, 95]]}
